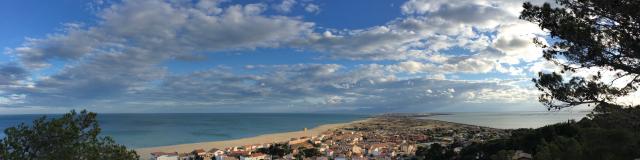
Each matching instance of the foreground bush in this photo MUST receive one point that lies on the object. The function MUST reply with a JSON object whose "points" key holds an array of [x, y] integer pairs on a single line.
{"points": [[74, 136], [611, 132]]}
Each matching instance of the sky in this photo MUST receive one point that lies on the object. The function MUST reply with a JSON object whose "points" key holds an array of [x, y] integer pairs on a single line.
{"points": [[335, 56]]}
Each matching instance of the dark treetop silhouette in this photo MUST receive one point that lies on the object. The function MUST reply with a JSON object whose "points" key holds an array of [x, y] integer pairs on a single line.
{"points": [[72, 136], [588, 33]]}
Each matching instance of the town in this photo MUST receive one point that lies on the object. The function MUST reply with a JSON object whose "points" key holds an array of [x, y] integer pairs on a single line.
{"points": [[380, 137]]}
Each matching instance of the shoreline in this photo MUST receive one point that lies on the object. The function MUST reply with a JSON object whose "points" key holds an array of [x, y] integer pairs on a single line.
{"points": [[260, 139]]}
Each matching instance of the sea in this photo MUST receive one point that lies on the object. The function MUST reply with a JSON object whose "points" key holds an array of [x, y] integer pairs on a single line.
{"points": [[149, 130], [510, 120]]}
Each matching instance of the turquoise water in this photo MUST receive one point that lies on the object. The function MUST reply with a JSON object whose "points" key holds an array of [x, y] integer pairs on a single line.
{"points": [[147, 130], [511, 120]]}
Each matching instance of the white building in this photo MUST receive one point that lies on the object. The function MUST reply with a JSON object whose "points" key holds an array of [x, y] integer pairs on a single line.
{"points": [[164, 156], [255, 156], [216, 152]]}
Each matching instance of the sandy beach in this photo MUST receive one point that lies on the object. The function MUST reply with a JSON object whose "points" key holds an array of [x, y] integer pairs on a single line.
{"points": [[266, 138]]}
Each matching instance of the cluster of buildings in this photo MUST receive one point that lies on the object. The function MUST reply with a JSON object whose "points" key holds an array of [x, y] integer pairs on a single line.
{"points": [[248, 152], [378, 138]]}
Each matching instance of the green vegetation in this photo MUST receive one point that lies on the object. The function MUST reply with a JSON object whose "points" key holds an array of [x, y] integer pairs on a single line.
{"points": [[72, 136], [310, 152], [588, 34], [434, 152], [278, 149], [611, 132]]}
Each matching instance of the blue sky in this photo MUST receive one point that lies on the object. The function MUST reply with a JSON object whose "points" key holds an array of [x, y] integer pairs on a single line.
{"points": [[267, 56]]}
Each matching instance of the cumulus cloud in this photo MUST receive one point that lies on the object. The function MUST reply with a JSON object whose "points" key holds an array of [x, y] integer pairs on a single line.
{"points": [[285, 6], [168, 29], [73, 44], [312, 8], [398, 40], [12, 99], [466, 65], [504, 95], [517, 45], [490, 33], [316, 86], [426, 6], [122, 52], [119, 60], [13, 78], [11, 74]]}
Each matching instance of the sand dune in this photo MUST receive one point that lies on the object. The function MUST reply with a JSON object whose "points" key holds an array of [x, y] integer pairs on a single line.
{"points": [[267, 138]]}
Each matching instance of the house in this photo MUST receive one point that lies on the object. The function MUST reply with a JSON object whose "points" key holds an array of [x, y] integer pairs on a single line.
{"points": [[377, 152], [200, 152], [258, 146], [342, 157], [254, 156], [521, 155], [216, 152], [408, 148], [186, 156], [377, 149], [224, 157], [356, 150], [164, 156], [298, 140], [239, 153], [250, 147]]}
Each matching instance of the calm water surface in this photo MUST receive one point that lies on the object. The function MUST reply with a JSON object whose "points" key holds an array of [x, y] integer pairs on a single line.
{"points": [[511, 120], [147, 130]]}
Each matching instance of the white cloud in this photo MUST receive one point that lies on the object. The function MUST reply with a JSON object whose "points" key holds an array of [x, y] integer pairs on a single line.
{"points": [[12, 99], [306, 86], [117, 61], [543, 66], [489, 31], [167, 29], [511, 70], [518, 45], [503, 95], [413, 67], [12, 74], [121, 54], [209, 6], [285, 6], [312, 8], [322, 85]]}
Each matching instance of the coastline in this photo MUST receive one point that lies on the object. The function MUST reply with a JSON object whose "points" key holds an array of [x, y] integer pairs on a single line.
{"points": [[265, 138]]}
